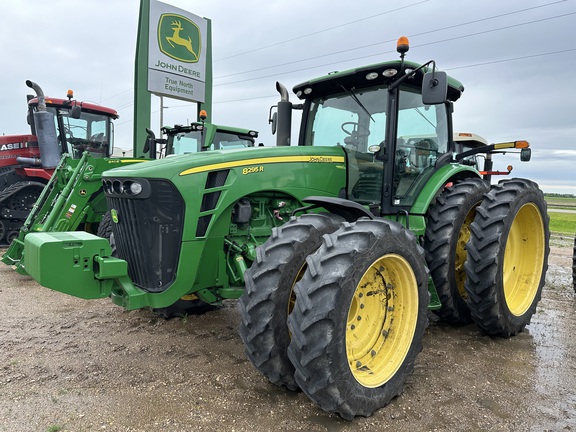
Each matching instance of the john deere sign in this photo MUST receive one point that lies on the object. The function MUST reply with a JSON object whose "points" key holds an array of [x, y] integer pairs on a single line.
{"points": [[176, 56]]}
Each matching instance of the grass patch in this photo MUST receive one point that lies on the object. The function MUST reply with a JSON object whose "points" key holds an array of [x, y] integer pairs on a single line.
{"points": [[564, 223]]}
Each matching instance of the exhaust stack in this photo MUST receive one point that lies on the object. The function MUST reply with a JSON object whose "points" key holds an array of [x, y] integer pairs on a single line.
{"points": [[284, 127], [28, 161], [45, 130]]}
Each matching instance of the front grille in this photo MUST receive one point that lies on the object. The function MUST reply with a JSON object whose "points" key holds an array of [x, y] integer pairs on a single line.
{"points": [[148, 234]]}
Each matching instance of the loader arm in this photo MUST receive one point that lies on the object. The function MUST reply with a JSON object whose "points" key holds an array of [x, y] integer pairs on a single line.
{"points": [[72, 197]]}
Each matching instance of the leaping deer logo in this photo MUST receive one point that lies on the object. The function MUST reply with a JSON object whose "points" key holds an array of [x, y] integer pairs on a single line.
{"points": [[179, 38]]}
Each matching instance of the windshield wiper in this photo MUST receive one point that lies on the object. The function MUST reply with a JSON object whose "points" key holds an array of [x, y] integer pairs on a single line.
{"points": [[353, 96], [417, 109]]}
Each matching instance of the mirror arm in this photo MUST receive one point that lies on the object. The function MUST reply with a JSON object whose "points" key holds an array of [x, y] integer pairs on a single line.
{"points": [[404, 77]]}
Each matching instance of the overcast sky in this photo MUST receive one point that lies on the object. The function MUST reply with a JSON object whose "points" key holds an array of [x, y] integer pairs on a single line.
{"points": [[516, 59]]}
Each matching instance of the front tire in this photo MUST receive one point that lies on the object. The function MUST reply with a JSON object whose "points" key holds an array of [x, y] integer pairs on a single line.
{"points": [[105, 230], [507, 257], [359, 318], [447, 232], [269, 294], [105, 226]]}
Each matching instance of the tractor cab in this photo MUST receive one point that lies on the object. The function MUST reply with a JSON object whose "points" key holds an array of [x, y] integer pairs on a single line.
{"points": [[465, 141], [80, 126], [197, 137], [393, 122]]}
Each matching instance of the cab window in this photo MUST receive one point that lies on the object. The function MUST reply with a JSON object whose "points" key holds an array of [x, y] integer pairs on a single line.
{"points": [[356, 121], [422, 138]]}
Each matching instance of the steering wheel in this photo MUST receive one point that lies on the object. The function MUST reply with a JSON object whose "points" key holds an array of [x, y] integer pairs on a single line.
{"points": [[357, 127], [96, 141], [425, 144], [99, 137], [78, 143]]}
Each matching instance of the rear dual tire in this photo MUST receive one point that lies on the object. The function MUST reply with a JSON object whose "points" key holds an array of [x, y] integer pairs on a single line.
{"points": [[507, 257], [487, 251], [359, 317], [447, 233]]}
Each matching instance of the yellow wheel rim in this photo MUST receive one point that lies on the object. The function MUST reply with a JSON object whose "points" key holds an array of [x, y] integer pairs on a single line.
{"points": [[382, 320], [523, 259], [292, 295], [461, 253]]}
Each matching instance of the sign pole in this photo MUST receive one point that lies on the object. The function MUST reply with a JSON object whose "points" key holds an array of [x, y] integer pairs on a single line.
{"points": [[173, 59], [207, 104], [142, 97]]}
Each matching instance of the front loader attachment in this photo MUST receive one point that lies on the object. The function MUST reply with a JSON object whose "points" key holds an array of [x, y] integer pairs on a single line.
{"points": [[13, 255], [72, 197]]}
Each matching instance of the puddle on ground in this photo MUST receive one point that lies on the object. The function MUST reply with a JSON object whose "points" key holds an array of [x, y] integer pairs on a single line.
{"points": [[555, 352]]}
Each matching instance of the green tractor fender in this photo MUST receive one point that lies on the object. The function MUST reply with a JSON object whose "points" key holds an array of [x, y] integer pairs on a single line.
{"points": [[440, 179], [352, 211]]}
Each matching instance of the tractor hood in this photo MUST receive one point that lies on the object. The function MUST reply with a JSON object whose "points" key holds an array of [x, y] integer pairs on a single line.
{"points": [[174, 167]]}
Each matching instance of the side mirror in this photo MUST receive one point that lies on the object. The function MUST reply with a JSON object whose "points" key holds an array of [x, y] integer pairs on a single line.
{"points": [[274, 122], [76, 111], [434, 88], [150, 141], [525, 154], [147, 144]]}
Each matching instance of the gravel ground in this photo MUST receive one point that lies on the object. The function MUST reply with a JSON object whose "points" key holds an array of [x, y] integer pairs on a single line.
{"points": [[72, 365]]}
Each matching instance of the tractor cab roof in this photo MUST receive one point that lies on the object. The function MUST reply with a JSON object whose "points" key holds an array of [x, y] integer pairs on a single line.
{"points": [[378, 74], [470, 140], [87, 106]]}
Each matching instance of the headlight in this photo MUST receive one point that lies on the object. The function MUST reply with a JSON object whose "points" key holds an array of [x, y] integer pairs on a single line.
{"points": [[134, 188], [117, 187]]}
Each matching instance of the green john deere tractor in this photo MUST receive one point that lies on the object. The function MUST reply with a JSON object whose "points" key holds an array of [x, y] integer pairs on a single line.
{"points": [[339, 310], [349, 237]]}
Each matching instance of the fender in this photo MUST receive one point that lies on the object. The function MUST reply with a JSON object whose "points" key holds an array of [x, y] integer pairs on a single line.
{"points": [[349, 210]]}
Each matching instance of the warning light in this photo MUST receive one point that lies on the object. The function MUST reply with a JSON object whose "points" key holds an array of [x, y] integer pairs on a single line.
{"points": [[70, 94], [402, 46], [512, 144], [203, 114]]}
